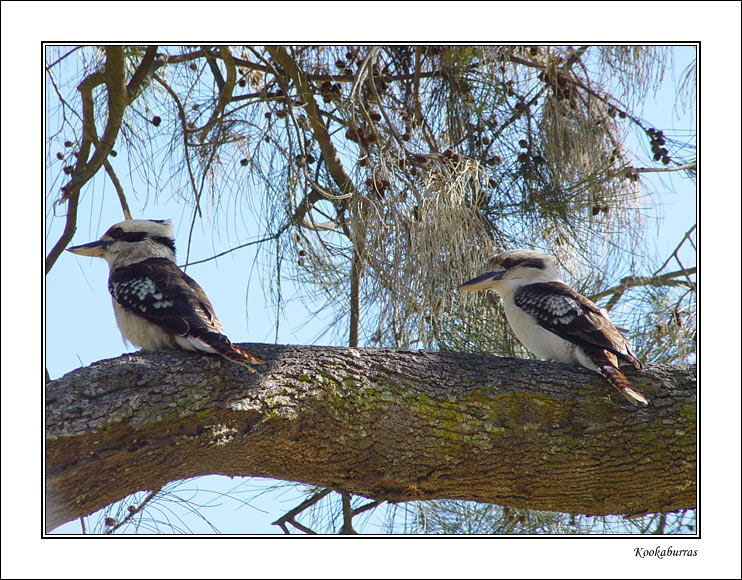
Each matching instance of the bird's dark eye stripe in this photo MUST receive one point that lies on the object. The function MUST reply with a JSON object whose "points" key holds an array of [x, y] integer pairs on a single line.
{"points": [[524, 262], [119, 234]]}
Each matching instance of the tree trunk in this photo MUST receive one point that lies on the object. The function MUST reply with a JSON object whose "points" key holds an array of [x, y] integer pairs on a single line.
{"points": [[383, 423]]}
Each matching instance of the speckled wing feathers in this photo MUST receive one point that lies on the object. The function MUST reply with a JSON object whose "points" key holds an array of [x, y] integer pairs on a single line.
{"points": [[175, 302], [571, 316]]}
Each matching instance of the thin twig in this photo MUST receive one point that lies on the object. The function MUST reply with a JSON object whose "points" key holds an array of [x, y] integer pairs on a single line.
{"points": [[289, 517], [329, 152], [684, 167], [119, 189], [225, 89], [184, 126], [368, 506], [674, 253], [224, 253], [133, 512], [634, 281]]}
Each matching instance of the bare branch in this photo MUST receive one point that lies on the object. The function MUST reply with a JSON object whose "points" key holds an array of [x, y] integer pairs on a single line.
{"points": [[133, 512], [61, 58], [218, 78], [329, 153], [368, 506], [290, 517], [143, 74], [238, 247], [113, 76], [347, 528], [84, 169], [186, 131], [682, 167], [668, 279], [674, 253], [225, 90], [119, 189]]}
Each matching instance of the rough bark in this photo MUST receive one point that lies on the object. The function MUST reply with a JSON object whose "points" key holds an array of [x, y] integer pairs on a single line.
{"points": [[383, 423]]}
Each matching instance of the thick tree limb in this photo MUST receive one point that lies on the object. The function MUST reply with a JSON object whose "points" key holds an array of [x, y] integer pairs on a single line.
{"points": [[383, 423]]}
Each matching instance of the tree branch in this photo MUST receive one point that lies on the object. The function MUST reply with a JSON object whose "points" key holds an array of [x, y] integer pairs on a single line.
{"points": [[117, 101], [682, 167], [143, 75], [347, 528], [290, 516], [382, 423], [329, 153], [674, 254], [336, 169], [668, 279], [225, 88], [119, 189], [84, 169]]}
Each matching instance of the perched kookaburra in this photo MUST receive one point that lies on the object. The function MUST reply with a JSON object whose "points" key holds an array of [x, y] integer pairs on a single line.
{"points": [[157, 306], [553, 321]]}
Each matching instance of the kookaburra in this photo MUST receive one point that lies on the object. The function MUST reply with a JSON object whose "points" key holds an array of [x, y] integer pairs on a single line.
{"points": [[553, 321], [158, 306]]}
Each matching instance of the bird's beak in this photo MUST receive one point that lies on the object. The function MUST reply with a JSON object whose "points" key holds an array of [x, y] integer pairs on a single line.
{"points": [[486, 280], [94, 249]]}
